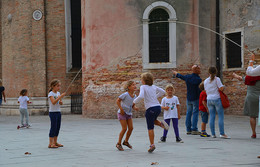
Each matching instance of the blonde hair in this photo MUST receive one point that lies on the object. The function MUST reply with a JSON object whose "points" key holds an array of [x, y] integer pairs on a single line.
{"points": [[54, 83], [169, 86], [147, 78], [127, 84]]}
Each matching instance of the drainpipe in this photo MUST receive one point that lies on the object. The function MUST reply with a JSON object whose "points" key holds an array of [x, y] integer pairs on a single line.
{"points": [[218, 63]]}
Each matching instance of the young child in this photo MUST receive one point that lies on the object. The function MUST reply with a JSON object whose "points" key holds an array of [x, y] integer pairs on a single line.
{"points": [[125, 104], [24, 100], [150, 93], [2, 93], [203, 110], [171, 107], [54, 98]]}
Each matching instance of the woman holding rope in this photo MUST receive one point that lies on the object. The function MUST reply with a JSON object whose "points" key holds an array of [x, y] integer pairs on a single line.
{"points": [[251, 106]]}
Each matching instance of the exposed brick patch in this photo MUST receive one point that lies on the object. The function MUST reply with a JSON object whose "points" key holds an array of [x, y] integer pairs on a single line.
{"points": [[103, 86]]}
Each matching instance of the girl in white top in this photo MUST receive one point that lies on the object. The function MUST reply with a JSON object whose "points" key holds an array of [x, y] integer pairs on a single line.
{"points": [[150, 93], [54, 99], [171, 106], [24, 100], [212, 86]]}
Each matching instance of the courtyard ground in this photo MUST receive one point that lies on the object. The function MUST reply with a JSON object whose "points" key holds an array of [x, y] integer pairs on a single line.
{"points": [[90, 142]]}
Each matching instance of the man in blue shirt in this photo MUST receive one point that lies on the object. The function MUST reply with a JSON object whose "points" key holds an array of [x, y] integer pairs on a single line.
{"points": [[193, 93]]}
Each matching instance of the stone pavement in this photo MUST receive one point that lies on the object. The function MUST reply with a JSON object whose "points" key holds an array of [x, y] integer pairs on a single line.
{"points": [[91, 143]]}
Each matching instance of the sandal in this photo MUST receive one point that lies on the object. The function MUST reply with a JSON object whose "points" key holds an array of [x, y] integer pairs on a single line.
{"points": [[127, 144], [151, 149], [119, 147], [59, 145], [52, 146]]}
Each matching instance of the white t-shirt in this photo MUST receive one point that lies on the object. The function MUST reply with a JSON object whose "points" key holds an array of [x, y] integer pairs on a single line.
{"points": [[251, 71], [172, 103], [56, 107], [212, 88], [126, 103], [23, 101], [150, 95]]}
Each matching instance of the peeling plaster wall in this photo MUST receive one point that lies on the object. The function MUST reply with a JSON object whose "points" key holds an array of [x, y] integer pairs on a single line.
{"points": [[112, 53], [233, 15]]}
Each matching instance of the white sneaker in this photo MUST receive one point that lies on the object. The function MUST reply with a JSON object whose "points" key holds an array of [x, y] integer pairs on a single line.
{"points": [[224, 137], [165, 125], [214, 136]]}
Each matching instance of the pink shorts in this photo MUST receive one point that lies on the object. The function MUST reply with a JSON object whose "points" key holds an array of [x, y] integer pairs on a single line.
{"points": [[123, 117]]}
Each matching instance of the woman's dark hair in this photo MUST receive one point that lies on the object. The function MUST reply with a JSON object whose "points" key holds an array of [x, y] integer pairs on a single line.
{"points": [[213, 72], [23, 92]]}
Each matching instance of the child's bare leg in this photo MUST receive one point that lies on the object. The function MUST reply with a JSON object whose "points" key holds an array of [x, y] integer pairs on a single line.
{"points": [[130, 129], [122, 133], [151, 136], [56, 142], [203, 126], [55, 139], [51, 141], [157, 122]]}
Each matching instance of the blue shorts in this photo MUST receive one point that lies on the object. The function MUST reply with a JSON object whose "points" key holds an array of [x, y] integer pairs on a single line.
{"points": [[151, 115], [204, 117]]}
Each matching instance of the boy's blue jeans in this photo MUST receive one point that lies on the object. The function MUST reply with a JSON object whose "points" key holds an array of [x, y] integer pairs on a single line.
{"points": [[192, 111], [216, 106]]}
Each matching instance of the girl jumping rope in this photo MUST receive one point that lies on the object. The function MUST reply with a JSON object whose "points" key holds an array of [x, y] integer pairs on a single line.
{"points": [[24, 100], [150, 93], [171, 107], [125, 104], [54, 98]]}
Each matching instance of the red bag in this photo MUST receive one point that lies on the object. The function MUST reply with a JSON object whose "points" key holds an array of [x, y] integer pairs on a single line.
{"points": [[224, 99]]}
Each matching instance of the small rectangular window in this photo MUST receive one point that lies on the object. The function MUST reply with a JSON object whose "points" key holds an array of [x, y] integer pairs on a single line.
{"points": [[233, 51]]}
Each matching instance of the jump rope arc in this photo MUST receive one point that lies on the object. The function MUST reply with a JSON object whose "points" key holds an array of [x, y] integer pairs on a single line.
{"points": [[156, 22]]}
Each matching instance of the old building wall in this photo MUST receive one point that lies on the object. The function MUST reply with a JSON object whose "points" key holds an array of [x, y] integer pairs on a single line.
{"points": [[56, 47], [34, 53], [243, 15], [23, 51], [0, 41], [113, 47]]}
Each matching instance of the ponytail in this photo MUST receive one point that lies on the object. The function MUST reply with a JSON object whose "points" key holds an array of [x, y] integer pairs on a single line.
{"points": [[213, 72]]}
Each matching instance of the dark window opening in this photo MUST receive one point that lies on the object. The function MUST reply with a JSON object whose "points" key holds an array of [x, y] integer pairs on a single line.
{"points": [[159, 37], [76, 33], [233, 52]]}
